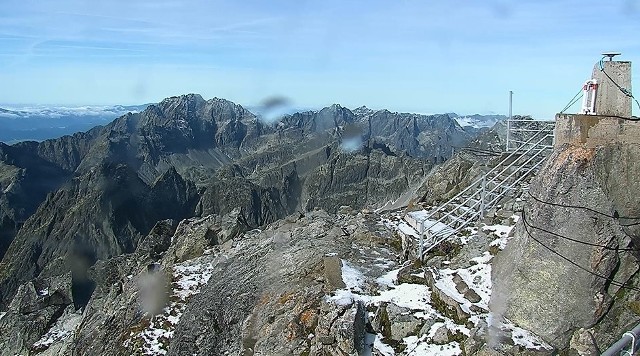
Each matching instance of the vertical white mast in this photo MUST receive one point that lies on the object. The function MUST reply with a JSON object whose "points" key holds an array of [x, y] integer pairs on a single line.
{"points": [[510, 117]]}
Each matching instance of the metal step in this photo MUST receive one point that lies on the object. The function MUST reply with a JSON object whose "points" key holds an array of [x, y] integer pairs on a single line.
{"points": [[509, 177]]}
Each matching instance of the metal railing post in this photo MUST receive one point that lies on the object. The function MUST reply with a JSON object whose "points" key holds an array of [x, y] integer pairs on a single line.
{"points": [[421, 245], [509, 119], [627, 338], [472, 202], [482, 195]]}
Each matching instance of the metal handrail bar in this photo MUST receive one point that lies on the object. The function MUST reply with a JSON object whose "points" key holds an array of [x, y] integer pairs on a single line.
{"points": [[457, 218], [525, 130], [451, 233], [542, 121], [478, 181], [627, 338], [518, 180], [523, 154], [451, 211], [526, 143], [499, 190]]}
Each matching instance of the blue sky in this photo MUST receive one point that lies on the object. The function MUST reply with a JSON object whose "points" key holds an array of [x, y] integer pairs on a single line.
{"points": [[420, 56]]}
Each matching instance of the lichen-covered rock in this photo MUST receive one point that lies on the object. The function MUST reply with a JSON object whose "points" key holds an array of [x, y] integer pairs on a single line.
{"points": [[441, 335], [446, 180], [267, 294], [195, 235], [555, 296], [463, 288], [402, 322], [349, 331], [584, 343]]}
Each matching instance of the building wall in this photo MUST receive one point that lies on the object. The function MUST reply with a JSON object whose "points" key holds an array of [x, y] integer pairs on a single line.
{"points": [[595, 130], [610, 101]]}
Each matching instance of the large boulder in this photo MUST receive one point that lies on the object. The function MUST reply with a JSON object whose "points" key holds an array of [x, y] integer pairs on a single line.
{"points": [[562, 270]]}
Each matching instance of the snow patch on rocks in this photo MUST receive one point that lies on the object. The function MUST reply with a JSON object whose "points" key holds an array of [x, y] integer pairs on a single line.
{"points": [[188, 278], [457, 285]]}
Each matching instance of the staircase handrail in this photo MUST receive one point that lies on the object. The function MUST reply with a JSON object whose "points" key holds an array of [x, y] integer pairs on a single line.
{"points": [[474, 184], [497, 190]]}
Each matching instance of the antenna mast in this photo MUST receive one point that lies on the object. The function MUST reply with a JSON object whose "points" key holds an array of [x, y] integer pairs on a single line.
{"points": [[510, 117]]}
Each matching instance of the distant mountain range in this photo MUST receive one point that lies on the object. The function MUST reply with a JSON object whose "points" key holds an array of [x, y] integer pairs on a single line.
{"points": [[187, 156], [39, 123], [477, 121], [98, 196]]}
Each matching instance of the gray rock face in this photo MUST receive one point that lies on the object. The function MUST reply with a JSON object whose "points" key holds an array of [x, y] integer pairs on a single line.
{"points": [[413, 133], [258, 205], [114, 211], [266, 293], [450, 307], [360, 180], [448, 179], [584, 343], [441, 335], [36, 306], [402, 322], [341, 329], [248, 309], [26, 177], [131, 287], [96, 194], [544, 293], [100, 214]]}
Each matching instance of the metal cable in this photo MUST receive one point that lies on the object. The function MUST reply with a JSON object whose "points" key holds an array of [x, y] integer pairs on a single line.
{"points": [[572, 101], [611, 281], [524, 220], [625, 91], [614, 216]]}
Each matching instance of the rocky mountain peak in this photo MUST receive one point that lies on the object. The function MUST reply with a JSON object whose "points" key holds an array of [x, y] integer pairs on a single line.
{"points": [[334, 116], [363, 111], [191, 111], [98, 194], [181, 105], [173, 111]]}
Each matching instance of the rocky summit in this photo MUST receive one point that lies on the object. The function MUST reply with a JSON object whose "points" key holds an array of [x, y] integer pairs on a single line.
{"points": [[79, 211], [196, 227]]}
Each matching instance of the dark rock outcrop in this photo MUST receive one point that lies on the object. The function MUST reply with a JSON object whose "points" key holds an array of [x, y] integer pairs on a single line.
{"points": [[69, 202], [100, 214], [36, 306], [551, 296], [429, 136]]}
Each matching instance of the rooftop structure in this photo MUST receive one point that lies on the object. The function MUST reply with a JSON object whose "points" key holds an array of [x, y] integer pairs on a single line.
{"points": [[605, 116]]}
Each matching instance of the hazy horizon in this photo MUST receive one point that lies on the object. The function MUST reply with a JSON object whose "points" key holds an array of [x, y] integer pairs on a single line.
{"points": [[419, 57], [34, 106]]}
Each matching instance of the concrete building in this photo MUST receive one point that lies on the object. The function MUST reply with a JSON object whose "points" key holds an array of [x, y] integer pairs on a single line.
{"points": [[610, 100], [611, 120]]}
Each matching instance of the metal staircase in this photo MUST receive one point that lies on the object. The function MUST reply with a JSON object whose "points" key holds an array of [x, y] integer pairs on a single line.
{"points": [[529, 143]]}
